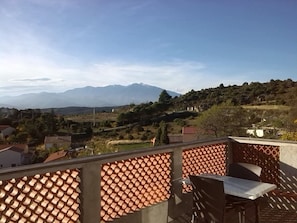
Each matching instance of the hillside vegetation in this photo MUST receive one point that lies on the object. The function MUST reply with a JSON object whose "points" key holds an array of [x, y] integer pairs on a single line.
{"points": [[224, 110], [216, 112], [275, 92]]}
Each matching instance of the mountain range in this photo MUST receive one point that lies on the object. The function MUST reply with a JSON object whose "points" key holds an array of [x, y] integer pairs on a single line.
{"points": [[112, 95]]}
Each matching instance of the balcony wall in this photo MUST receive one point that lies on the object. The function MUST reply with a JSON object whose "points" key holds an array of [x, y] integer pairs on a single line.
{"points": [[279, 162], [139, 186]]}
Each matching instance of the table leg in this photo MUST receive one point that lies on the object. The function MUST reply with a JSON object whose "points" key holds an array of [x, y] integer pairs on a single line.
{"points": [[257, 207]]}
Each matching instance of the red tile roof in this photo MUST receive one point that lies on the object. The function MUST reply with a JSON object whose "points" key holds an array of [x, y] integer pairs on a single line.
{"points": [[14, 147], [2, 127], [56, 156]]}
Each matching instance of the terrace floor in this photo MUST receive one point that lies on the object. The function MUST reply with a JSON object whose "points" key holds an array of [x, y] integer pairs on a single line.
{"points": [[267, 215]]}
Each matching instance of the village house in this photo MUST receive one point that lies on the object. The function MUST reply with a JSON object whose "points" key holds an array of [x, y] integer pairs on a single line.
{"points": [[189, 133], [5, 131], [175, 138], [57, 142], [14, 155], [263, 131], [255, 132]]}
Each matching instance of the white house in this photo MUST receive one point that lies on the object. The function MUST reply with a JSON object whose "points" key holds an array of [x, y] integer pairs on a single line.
{"points": [[255, 132], [13, 155]]}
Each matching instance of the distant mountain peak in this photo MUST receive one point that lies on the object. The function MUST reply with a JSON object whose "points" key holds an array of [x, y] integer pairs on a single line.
{"points": [[88, 96]]}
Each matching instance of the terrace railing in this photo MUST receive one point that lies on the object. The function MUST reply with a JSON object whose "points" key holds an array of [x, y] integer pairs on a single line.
{"points": [[139, 186]]}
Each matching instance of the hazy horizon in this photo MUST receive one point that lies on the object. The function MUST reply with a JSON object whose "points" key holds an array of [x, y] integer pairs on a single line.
{"points": [[54, 46]]}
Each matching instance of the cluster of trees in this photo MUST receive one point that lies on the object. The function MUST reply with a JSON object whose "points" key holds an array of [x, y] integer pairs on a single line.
{"points": [[220, 113], [229, 119], [224, 120], [291, 127], [32, 126], [273, 92], [146, 112], [162, 134]]}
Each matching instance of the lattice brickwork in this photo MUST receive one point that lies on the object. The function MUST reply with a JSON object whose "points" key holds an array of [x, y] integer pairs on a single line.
{"points": [[51, 197], [128, 185], [204, 159], [265, 156]]}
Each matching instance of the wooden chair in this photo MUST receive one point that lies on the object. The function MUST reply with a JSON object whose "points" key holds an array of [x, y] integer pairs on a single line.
{"points": [[209, 202], [246, 171], [249, 172]]}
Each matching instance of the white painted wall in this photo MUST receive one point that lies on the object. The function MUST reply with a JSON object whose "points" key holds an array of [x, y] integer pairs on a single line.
{"points": [[288, 159], [10, 157]]}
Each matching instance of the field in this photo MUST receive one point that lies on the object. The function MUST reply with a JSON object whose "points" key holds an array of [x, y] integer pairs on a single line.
{"points": [[133, 146], [267, 107], [98, 117]]}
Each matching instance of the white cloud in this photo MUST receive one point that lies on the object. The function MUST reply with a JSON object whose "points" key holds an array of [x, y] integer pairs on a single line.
{"points": [[44, 74], [171, 75]]}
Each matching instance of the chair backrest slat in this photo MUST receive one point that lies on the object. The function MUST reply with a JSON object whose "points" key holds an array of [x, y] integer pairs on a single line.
{"points": [[245, 171], [208, 198]]}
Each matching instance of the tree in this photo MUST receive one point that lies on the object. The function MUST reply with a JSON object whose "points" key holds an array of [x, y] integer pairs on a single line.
{"points": [[164, 97], [21, 137], [223, 120], [162, 134], [292, 118], [158, 137], [289, 136]]}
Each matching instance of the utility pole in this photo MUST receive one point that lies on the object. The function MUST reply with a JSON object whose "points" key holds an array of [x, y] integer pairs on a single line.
{"points": [[94, 112]]}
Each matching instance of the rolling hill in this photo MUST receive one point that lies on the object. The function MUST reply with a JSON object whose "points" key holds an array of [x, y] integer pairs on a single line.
{"points": [[112, 95]]}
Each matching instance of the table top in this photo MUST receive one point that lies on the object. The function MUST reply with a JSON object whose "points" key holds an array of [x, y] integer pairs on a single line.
{"points": [[243, 188]]}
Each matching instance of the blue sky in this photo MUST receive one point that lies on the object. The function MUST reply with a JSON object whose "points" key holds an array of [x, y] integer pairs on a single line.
{"points": [[178, 45]]}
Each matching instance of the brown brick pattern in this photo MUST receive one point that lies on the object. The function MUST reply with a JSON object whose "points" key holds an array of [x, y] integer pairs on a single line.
{"points": [[204, 159], [50, 197], [128, 185], [265, 156]]}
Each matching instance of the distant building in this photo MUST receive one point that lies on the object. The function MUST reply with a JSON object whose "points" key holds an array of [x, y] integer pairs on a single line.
{"points": [[255, 132], [5, 131], [193, 108], [175, 138], [263, 131], [189, 134], [14, 155], [57, 142]]}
